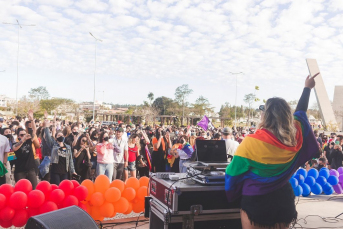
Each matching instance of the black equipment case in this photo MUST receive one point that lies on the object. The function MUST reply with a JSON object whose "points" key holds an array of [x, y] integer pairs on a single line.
{"points": [[162, 219], [191, 205]]}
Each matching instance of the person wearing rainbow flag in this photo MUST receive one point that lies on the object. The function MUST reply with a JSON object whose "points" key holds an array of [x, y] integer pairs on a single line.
{"points": [[265, 161]]}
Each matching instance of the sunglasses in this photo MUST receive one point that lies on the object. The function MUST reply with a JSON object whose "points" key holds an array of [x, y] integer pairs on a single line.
{"points": [[262, 107], [22, 135]]}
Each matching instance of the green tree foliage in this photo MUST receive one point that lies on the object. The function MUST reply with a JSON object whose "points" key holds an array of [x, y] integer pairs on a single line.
{"points": [[151, 97], [164, 105], [181, 94], [249, 99], [202, 106], [54, 103], [39, 93]]}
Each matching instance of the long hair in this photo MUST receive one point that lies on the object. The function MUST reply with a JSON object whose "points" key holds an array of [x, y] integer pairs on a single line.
{"points": [[78, 143], [132, 140], [66, 131], [278, 119]]}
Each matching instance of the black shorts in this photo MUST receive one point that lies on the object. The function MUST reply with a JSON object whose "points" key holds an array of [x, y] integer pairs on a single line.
{"points": [[272, 209]]}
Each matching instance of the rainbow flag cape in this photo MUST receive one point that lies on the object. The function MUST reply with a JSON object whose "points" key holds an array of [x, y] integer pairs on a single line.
{"points": [[263, 164]]}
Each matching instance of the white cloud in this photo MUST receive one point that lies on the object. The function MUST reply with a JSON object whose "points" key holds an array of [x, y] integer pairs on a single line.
{"points": [[159, 45]]}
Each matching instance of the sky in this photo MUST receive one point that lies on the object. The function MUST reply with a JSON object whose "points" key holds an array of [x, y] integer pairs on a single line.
{"points": [[156, 46]]}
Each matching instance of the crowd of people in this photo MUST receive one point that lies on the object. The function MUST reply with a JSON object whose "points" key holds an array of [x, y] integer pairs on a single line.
{"points": [[55, 150]]}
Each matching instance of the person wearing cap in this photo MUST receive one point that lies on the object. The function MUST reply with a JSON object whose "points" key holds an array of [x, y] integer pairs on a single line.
{"points": [[121, 156], [231, 145]]}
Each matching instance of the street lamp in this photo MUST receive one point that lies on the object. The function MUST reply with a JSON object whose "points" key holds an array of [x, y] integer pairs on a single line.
{"points": [[237, 73], [96, 39], [19, 27]]}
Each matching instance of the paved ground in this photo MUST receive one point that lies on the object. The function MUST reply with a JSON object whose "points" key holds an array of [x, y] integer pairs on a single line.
{"points": [[313, 212]]}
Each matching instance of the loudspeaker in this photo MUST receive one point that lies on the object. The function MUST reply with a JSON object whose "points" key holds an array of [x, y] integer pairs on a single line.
{"points": [[66, 218]]}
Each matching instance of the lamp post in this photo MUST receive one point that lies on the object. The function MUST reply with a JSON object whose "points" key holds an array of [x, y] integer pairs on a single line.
{"points": [[236, 73], [96, 39], [19, 27]]}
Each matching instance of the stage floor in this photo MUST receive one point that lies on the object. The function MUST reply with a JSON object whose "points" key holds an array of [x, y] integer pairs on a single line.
{"points": [[327, 207]]}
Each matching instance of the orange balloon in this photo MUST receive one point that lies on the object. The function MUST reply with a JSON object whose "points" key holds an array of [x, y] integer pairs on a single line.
{"points": [[121, 205], [89, 209], [135, 200], [138, 207], [112, 195], [129, 194], [142, 192], [119, 184], [132, 182], [144, 181], [114, 214], [106, 210], [97, 199], [96, 214], [101, 184], [90, 187], [129, 210]]}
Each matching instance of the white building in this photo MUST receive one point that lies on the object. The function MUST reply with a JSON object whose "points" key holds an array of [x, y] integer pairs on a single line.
{"points": [[4, 101]]}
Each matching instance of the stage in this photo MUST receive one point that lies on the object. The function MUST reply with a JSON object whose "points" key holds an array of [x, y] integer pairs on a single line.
{"points": [[327, 207]]}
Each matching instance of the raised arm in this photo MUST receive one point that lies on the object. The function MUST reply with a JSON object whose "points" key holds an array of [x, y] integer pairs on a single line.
{"points": [[305, 97]]}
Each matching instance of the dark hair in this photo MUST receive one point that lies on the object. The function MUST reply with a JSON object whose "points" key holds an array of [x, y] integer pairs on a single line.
{"points": [[322, 160], [74, 125], [18, 131], [217, 136], [95, 132], [59, 131], [39, 131], [27, 124], [101, 136], [78, 143], [15, 123]]}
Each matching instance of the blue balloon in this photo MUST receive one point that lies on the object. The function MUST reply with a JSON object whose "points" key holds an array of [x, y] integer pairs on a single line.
{"points": [[306, 190], [324, 172], [313, 173], [300, 179], [294, 182], [310, 181], [326, 186], [329, 191], [316, 189], [321, 180], [333, 180], [302, 172], [298, 191]]}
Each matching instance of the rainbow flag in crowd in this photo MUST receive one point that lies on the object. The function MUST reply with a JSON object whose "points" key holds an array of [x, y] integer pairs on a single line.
{"points": [[263, 164]]}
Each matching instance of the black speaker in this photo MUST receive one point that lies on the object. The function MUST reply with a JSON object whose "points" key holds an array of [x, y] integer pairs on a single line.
{"points": [[66, 218]]}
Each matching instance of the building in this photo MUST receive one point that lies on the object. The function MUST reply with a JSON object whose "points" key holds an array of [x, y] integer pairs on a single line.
{"points": [[4, 101], [338, 105]]}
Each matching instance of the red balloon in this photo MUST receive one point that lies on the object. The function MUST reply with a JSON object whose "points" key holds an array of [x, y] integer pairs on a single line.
{"points": [[47, 207], [18, 200], [70, 201], [57, 196], [23, 185], [81, 193], [33, 211], [75, 183], [6, 224], [7, 213], [20, 218], [35, 199], [83, 206], [7, 190], [53, 187], [67, 187], [2, 201], [45, 187]]}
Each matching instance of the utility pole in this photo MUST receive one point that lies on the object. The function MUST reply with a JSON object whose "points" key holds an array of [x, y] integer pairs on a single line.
{"points": [[237, 73], [96, 39], [19, 27]]}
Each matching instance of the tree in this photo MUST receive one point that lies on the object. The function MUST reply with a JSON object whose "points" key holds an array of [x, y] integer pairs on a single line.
{"points": [[59, 104], [39, 93], [163, 104], [249, 99], [181, 94], [202, 106], [151, 97]]}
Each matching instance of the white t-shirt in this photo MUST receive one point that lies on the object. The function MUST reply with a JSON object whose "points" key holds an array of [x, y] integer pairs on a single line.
{"points": [[4, 147], [122, 143], [231, 146]]}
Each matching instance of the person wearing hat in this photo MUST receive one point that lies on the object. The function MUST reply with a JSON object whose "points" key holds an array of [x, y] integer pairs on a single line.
{"points": [[121, 156], [231, 145]]}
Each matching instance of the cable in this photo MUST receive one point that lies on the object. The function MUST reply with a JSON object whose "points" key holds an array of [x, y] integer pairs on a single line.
{"points": [[324, 219]]}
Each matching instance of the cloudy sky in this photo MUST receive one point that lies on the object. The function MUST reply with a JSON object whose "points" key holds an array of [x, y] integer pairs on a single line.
{"points": [[159, 45]]}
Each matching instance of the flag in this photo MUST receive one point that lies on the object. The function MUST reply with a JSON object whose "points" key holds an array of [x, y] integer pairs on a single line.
{"points": [[205, 123]]}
